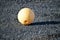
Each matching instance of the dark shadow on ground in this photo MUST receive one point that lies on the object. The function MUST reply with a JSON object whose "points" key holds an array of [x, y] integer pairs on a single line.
{"points": [[46, 22]]}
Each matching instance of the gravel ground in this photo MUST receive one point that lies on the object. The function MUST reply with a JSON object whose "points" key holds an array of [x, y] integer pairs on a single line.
{"points": [[46, 25]]}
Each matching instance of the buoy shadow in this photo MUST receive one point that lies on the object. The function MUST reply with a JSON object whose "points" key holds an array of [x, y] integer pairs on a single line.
{"points": [[46, 22]]}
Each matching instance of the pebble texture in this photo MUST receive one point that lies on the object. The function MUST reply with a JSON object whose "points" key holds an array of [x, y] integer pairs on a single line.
{"points": [[46, 25]]}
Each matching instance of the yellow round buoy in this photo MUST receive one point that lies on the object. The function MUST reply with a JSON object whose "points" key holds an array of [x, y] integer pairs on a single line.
{"points": [[26, 16]]}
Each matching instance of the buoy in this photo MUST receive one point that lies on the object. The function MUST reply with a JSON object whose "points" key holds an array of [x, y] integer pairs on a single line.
{"points": [[26, 16]]}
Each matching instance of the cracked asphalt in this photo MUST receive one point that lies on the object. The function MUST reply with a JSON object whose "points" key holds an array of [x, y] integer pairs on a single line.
{"points": [[46, 25]]}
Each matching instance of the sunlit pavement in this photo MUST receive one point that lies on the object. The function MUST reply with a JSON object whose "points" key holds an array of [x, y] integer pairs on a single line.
{"points": [[46, 25]]}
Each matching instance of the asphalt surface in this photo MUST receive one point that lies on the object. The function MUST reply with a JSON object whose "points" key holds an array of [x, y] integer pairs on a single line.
{"points": [[46, 25]]}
